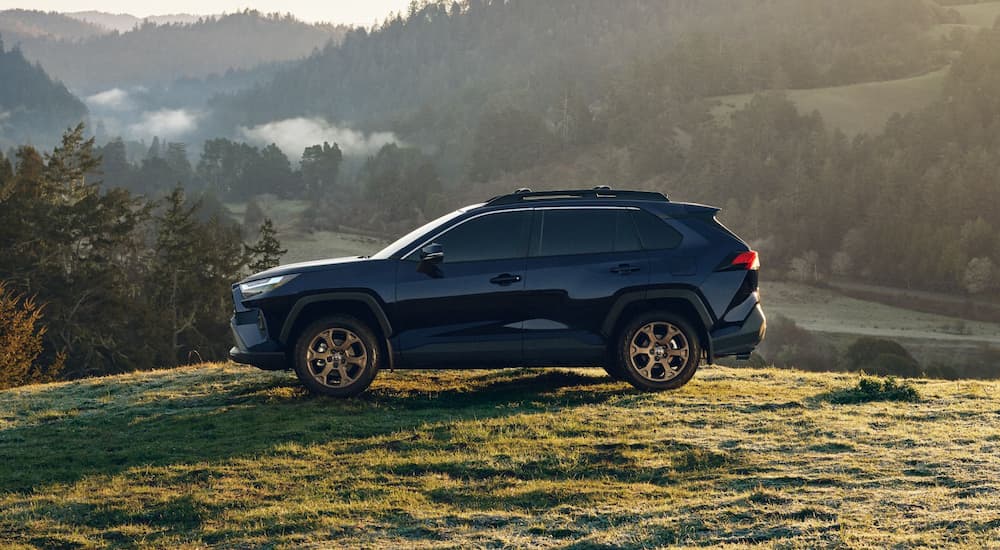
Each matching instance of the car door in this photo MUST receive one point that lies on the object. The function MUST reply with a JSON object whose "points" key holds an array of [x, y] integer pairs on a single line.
{"points": [[581, 260], [467, 309]]}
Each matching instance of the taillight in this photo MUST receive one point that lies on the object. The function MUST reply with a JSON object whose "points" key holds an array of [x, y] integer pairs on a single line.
{"points": [[744, 261]]}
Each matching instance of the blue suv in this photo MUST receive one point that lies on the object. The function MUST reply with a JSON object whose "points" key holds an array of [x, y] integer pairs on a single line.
{"points": [[627, 280]]}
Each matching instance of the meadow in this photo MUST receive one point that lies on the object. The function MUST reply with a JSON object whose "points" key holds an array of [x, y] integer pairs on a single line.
{"points": [[857, 108], [221, 455]]}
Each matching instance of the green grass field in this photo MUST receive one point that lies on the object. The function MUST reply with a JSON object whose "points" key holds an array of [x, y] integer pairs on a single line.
{"points": [[980, 15], [217, 455], [859, 107]]}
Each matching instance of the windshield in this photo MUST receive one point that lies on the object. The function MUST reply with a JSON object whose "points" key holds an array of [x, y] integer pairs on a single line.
{"points": [[405, 240]]}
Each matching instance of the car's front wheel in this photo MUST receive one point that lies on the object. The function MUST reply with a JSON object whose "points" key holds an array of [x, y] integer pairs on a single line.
{"points": [[337, 356], [658, 351]]}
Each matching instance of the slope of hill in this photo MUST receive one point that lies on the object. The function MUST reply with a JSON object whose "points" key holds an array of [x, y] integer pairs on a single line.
{"points": [[124, 22], [857, 108], [24, 25], [33, 108], [156, 54], [983, 14], [229, 456]]}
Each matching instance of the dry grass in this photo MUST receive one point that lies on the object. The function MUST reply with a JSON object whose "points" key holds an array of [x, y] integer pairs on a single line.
{"points": [[856, 108], [218, 455], [981, 15]]}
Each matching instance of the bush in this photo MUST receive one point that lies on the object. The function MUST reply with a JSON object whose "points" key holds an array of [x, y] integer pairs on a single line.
{"points": [[789, 345], [881, 357], [873, 389], [21, 341]]}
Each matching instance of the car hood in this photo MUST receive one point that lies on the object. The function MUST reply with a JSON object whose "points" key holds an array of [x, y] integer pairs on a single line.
{"points": [[305, 267]]}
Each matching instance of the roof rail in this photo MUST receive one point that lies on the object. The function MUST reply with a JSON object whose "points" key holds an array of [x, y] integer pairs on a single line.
{"points": [[600, 192]]}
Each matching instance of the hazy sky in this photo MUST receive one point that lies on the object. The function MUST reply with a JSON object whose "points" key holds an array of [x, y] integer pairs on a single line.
{"points": [[357, 12]]}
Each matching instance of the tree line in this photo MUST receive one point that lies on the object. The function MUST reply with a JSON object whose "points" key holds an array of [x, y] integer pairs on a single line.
{"points": [[106, 281]]}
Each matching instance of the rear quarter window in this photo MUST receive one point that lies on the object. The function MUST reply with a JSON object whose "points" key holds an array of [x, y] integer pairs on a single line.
{"points": [[655, 233]]}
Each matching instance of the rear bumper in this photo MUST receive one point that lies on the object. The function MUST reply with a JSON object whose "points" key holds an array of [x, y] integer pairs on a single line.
{"points": [[740, 339], [267, 360]]}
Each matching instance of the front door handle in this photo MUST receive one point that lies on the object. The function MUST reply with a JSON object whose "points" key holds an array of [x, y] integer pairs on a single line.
{"points": [[505, 279], [625, 269]]}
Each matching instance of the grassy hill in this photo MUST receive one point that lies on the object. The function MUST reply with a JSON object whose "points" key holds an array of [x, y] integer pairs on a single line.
{"points": [[859, 107], [230, 456], [981, 15]]}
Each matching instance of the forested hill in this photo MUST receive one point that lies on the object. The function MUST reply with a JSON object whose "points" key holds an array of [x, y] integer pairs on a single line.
{"points": [[25, 25], [500, 94], [155, 54], [33, 107], [447, 61]]}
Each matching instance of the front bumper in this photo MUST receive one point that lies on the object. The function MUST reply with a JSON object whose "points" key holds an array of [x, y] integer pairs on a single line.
{"points": [[254, 346], [740, 339]]}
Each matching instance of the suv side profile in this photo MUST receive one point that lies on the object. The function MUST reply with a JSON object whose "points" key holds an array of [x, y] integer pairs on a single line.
{"points": [[626, 280]]}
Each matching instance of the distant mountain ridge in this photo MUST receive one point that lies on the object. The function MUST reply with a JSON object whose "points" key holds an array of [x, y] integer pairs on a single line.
{"points": [[19, 25], [80, 50], [124, 22]]}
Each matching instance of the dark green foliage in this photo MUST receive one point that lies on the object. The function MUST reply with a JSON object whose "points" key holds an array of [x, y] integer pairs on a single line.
{"points": [[266, 252], [126, 283], [875, 389], [33, 107], [881, 357], [401, 185], [789, 346], [508, 140], [238, 170], [320, 167]]}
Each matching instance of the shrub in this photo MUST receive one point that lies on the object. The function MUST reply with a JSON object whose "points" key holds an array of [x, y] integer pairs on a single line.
{"points": [[874, 389], [789, 345], [21, 341], [881, 357]]}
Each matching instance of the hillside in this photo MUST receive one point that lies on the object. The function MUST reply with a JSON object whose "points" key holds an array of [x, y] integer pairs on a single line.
{"points": [[154, 53], [983, 14], [856, 108], [19, 25], [124, 22], [34, 108], [230, 456]]}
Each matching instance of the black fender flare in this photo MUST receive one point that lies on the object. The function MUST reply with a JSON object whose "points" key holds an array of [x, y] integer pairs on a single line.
{"points": [[367, 299], [689, 296]]}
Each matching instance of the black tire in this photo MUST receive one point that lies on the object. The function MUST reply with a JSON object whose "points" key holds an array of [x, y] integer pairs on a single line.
{"points": [[664, 366], [338, 356]]}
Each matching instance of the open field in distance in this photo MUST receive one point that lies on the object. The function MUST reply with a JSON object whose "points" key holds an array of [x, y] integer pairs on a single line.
{"points": [[856, 108]]}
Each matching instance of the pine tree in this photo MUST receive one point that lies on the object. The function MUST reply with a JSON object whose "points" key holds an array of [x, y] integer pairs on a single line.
{"points": [[267, 252]]}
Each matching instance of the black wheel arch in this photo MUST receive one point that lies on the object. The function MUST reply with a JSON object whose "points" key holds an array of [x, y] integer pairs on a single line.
{"points": [[362, 305], [682, 301]]}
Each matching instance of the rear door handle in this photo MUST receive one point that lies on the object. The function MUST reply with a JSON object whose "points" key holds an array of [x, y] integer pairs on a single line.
{"points": [[625, 269], [505, 279]]}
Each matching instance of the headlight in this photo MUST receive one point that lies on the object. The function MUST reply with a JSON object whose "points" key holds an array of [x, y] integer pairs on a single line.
{"points": [[260, 286]]}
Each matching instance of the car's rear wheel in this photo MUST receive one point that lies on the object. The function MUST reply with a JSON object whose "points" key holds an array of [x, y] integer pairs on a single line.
{"points": [[337, 356], [658, 351]]}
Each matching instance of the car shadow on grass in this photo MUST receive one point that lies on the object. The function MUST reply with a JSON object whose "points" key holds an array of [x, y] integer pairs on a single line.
{"points": [[244, 420]]}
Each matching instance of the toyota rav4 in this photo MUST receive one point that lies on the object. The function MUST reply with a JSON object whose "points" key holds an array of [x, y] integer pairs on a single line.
{"points": [[627, 280]]}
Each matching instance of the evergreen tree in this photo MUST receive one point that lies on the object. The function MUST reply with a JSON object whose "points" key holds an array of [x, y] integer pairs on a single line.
{"points": [[266, 252]]}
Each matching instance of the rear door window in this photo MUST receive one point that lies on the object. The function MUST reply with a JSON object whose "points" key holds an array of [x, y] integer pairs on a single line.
{"points": [[572, 231]]}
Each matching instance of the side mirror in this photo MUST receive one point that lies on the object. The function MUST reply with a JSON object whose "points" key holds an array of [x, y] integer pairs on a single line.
{"points": [[432, 253]]}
